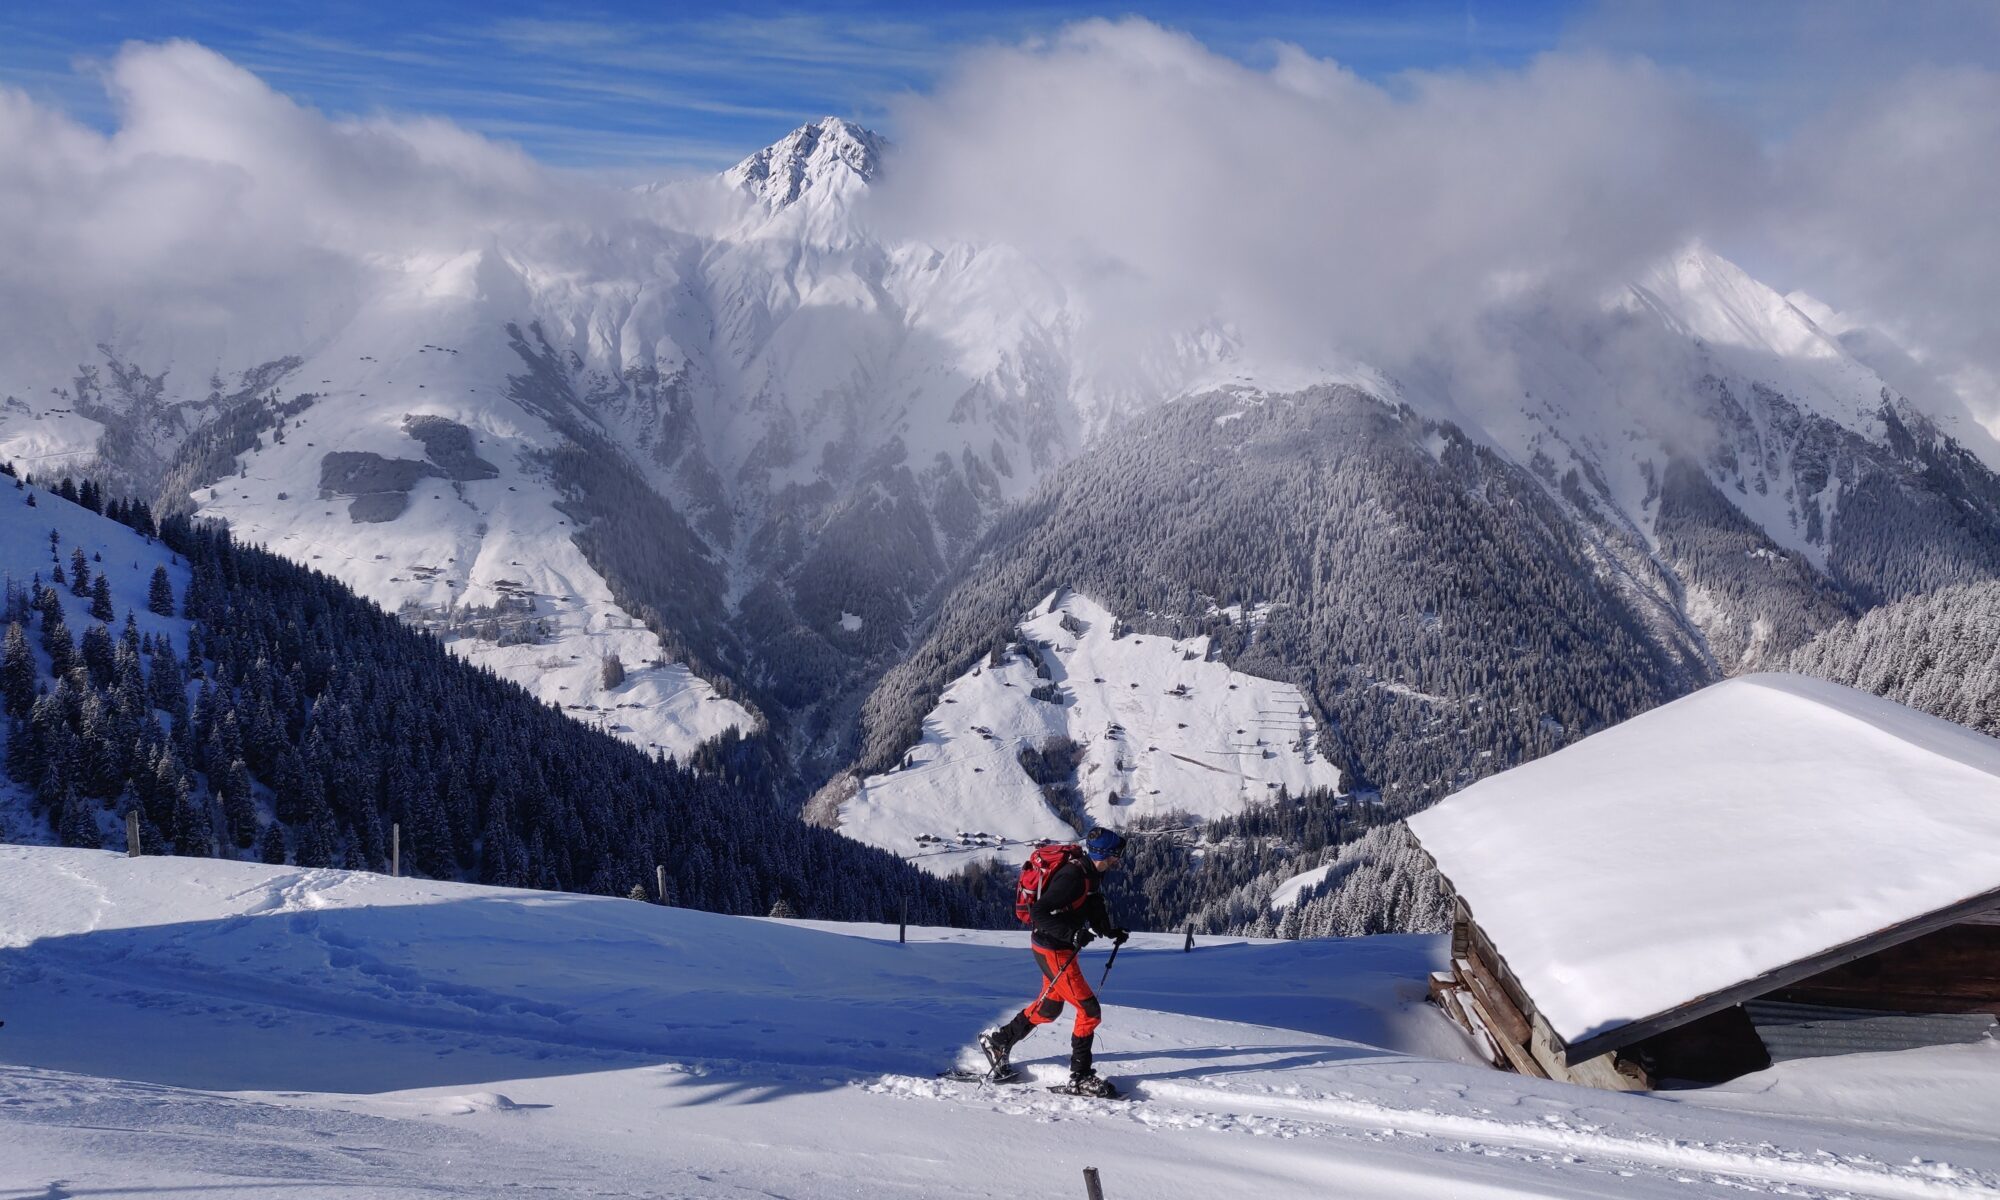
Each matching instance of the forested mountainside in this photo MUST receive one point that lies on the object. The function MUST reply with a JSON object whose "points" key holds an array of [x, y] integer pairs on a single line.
{"points": [[1939, 652], [1448, 613], [1443, 613], [260, 709]]}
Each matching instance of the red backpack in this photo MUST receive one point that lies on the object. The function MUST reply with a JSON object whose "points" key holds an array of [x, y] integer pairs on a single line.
{"points": [[1044, 862]]}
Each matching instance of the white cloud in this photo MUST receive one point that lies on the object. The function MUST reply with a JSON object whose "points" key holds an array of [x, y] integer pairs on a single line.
{"points": [[1318, 209], [222, 214], [1167, 184], [1891, 203], [1303, 201]]}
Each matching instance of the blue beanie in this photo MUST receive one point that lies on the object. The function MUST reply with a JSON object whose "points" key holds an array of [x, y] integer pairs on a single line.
{"points": [[1102, 843]]}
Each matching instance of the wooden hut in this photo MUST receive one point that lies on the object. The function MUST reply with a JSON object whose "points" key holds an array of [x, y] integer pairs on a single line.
{"points": [[1774, 865]]}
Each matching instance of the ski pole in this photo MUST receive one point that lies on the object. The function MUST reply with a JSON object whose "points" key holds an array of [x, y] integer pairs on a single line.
{"points": [[1115, 946]]}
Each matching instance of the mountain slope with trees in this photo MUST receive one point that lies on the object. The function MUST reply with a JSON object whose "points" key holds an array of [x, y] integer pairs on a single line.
{"points": [[278, 716]]}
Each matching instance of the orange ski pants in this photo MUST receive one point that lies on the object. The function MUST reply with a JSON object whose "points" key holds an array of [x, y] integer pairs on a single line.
{"points": [[1065, 983]]}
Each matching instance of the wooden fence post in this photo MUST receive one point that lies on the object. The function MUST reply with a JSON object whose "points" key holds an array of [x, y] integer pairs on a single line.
{"points": [[1091, 1188], [660, 877], [395, 850], [1190, 939], [903, 924], [132, 849]]}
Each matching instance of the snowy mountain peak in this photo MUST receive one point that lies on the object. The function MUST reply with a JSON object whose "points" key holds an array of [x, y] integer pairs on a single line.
{"points": [[829, 154], [1708, 297]]}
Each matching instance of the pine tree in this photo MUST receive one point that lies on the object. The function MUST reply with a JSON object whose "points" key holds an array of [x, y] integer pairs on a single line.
{"points": [[77, 825], [160, 594], [55, 637], [17, 671], [272, 848], [100, 600], [239, 805], [98, 655], [79, 573]]}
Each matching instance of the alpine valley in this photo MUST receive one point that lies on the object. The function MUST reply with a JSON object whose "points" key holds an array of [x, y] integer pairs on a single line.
{"points": [[739, 466]]}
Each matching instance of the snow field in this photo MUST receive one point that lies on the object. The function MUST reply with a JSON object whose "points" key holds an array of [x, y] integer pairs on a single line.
{"points": [[254, 1031], [461, 543], [1163, 730]]}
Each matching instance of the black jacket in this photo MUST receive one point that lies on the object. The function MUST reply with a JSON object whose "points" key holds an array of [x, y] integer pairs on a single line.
{"points": [[1056, 922]]}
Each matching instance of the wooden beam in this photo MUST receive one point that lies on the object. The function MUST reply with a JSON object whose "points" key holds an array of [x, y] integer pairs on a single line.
{"points": [[1951, 970], [1772, 980], [1499, 974], [1518, 1056], [1605, 1071], [1475, 977]]}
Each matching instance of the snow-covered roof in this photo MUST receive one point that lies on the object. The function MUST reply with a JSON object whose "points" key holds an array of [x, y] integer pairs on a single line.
{"points": [[1755, 824]]}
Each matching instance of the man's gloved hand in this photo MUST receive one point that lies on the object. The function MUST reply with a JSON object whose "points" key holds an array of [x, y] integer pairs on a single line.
{"points": [[1082, 938], [1118, 936]]}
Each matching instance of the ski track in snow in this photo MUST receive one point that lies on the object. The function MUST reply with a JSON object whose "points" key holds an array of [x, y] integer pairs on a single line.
{"points": [[1560, 1138], [239, 1030]]}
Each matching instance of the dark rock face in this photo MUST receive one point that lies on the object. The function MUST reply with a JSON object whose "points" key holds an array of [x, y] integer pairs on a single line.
{"points": [[449, 445], [377, 507], [379, 486], [357, 472]]}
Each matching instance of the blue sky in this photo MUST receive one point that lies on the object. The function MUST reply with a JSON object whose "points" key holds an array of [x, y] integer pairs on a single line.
{"points": [[634, 88]]}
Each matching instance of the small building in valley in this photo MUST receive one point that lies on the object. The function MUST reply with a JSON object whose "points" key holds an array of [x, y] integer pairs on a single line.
{"points": [[1775, 866]]}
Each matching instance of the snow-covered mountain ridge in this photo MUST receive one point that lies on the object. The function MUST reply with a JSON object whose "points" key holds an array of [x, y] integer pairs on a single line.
{"points": [[740, 443]]}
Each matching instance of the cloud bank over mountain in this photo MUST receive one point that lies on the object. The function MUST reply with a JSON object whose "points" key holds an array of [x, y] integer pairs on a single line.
{"points": [[1323, 209], [1308, 204], [235, 223], [1316, 212]]}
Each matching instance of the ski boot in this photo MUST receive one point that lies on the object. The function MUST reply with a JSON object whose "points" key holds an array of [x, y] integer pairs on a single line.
{"points": [[996, 1049], [1083, 1078], [1091, 1084]]}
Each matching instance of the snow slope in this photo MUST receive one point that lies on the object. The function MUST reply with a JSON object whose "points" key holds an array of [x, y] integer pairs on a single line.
{"points": [[1162, 730], [236, 1030], [1779, 816], [1289, 890]]}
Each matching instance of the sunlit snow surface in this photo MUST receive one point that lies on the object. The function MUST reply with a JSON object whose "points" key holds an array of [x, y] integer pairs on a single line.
{"points": [[237, 1031], [1163, 730], [1735, 831]]}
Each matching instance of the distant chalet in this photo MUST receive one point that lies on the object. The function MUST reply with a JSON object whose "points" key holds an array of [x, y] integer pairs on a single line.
{"points": [[1773, 867]]}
